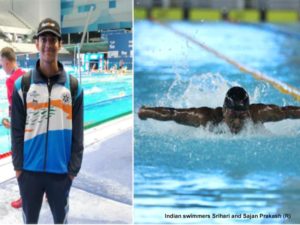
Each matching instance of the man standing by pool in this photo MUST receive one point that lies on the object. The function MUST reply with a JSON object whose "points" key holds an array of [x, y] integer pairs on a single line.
{"points": [[10, 66], [47, 129], [235, 113]]}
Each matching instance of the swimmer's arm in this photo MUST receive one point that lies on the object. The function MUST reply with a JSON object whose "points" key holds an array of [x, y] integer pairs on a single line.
{"points": [[191, 116], [273, 113]]}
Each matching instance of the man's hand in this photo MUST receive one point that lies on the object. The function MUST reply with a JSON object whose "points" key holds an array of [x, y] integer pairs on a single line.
{"points": [[71, 177], [6, 123], [18, 173], [141, 113]]}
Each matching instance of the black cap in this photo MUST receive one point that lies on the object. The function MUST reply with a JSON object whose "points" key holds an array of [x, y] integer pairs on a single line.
{"points": [[237, 99], [48, 26]]}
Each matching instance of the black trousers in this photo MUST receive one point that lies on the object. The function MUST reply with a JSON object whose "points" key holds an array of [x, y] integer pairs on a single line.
{"points": [[33, 185]]}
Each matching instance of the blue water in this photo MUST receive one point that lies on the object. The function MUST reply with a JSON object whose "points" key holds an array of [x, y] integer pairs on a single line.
{"points": [[105, 96], [182, 170]]}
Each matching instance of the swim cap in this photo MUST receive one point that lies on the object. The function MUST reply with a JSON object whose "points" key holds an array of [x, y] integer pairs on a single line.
{"points": [[236, 99]]}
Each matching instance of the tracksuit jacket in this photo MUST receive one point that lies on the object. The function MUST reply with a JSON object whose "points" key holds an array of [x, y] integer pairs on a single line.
{"points": [[47, 134]]}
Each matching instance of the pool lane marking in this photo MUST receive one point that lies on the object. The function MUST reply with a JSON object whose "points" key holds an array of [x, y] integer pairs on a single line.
{"points": [[282, 87]]}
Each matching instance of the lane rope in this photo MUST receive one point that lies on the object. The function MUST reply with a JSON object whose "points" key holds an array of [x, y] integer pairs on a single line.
{"points": [[4, 155], [281, 86]]}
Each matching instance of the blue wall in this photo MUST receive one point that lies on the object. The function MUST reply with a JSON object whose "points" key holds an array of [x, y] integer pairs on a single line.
{"points": [[107, 14]]}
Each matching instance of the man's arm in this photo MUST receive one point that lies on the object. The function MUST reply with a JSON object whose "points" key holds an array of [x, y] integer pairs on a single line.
{"points": [[18, 119], [10, 88], [192, 116], [77, 136], [272, 113]]}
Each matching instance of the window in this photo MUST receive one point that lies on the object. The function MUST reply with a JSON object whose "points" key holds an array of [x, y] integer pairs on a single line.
{"points": [[86, 8], [112, 4]]}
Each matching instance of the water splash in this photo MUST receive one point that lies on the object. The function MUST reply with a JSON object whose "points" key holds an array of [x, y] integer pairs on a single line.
{"points": [[93, 90], [206, 89]]}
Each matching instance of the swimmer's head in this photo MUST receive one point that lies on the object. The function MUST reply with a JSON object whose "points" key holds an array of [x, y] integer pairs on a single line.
{"points": [[236, 108], [236, 99]]}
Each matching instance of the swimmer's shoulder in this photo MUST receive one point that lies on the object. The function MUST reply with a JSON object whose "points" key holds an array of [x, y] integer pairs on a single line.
{"points": [[214, 115], [218, 115], [256, 110]]}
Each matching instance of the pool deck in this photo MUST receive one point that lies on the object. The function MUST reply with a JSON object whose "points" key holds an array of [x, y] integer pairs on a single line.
{"points": [[102, 192]]}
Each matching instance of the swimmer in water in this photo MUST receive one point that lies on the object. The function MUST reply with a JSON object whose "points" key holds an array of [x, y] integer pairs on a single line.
{"points": [[235, 113]]}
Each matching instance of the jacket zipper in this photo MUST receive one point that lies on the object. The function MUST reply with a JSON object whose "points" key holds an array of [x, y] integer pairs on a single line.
{"points": [[48, 118]]}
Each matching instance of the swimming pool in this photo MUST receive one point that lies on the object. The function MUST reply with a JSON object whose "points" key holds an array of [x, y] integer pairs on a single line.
{"points": [[189, 175], [106, 96]]}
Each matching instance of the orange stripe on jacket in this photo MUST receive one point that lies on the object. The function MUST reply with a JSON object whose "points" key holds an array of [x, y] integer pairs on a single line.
{"points": [[56, 103], [28, 130]]}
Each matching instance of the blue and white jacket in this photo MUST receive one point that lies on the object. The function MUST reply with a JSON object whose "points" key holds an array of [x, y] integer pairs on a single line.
{"points": [[47, 134]]}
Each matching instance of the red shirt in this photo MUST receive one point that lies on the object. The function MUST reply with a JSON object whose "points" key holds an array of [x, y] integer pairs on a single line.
{"points": [[10, 82]]}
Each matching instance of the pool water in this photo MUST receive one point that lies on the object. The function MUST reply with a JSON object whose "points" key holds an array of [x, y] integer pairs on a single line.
{"points": [[106, 96], [180, 170]]}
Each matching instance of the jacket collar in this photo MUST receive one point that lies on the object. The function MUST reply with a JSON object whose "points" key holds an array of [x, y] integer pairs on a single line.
{"points": [[38, 77]]}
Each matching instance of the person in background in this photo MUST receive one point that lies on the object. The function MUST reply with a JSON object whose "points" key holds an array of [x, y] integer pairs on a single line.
{"points": [[121, 64], [9, 64]]}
